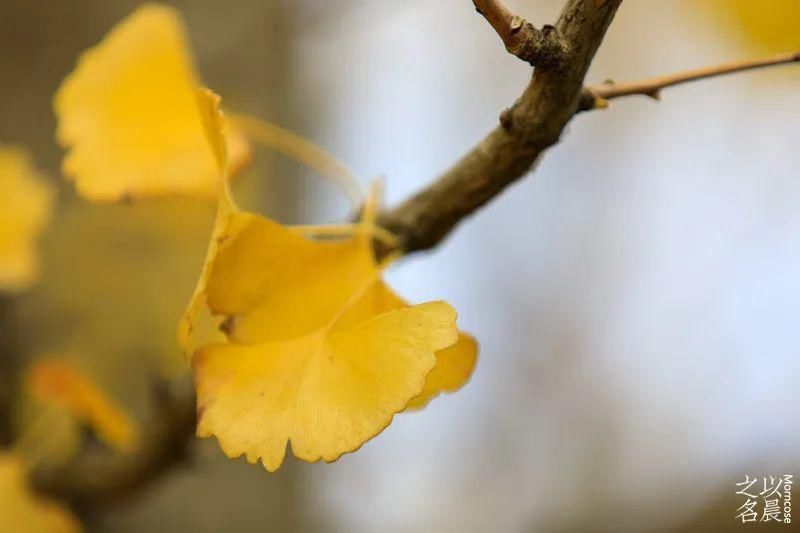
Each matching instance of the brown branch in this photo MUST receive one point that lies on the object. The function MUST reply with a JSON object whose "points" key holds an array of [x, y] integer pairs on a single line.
{"points": [[533, 124], [527, 129], [97, 476], [543, 47], [597, 96]]}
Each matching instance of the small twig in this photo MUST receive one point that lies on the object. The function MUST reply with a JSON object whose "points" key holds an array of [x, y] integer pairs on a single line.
{"points": [[598, 96], [544, 48]]}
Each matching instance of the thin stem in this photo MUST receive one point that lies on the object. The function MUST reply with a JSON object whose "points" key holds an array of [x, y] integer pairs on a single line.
{"points": [[497, 15], [383, 235], [302, 150], [598, 95]]}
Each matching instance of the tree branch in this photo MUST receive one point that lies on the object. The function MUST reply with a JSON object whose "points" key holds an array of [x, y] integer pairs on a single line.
{"points": [[597, 96], [534, 122], [527, 129], [98, 476], [543, 47]]}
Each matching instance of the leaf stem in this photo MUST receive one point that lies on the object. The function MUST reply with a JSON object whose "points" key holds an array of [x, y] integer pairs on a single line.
{"points": [[302, 150]]}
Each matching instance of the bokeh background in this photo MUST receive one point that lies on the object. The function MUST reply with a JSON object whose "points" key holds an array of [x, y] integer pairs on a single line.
{"points": [[636, 299]]}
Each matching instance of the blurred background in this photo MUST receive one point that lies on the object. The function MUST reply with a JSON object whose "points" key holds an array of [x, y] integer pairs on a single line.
{"points": [[636, 298]]}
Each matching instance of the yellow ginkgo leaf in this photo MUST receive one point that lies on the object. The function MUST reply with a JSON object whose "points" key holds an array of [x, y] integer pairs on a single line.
{"points": [[327, 393], [264, 277], [22, 511], [283, 294], [57, 383], [300, 364], [25, 203], [128, 117]]}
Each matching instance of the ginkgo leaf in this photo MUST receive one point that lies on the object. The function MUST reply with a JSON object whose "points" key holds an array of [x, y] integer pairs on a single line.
{"points": [[292, 370], [285, 295], [327, 393], [55, 382], [22, 511], [274, 284], [127, 115], [25, 203]]}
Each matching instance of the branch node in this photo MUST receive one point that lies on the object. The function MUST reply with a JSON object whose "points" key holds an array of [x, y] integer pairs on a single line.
{"points": [[506, 118], [655, 94], [517, 23], [544, 48]]}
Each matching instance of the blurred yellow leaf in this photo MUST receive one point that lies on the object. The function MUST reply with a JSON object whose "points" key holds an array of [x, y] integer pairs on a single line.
{"points": [[772, 26], [301, 366], [22, 511], [127, 115], [25, 203], [55, 382], [117, 276]]}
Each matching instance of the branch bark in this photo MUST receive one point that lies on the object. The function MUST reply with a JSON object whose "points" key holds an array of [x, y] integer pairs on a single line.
{"points": [[98, 476], [527, 129]]}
